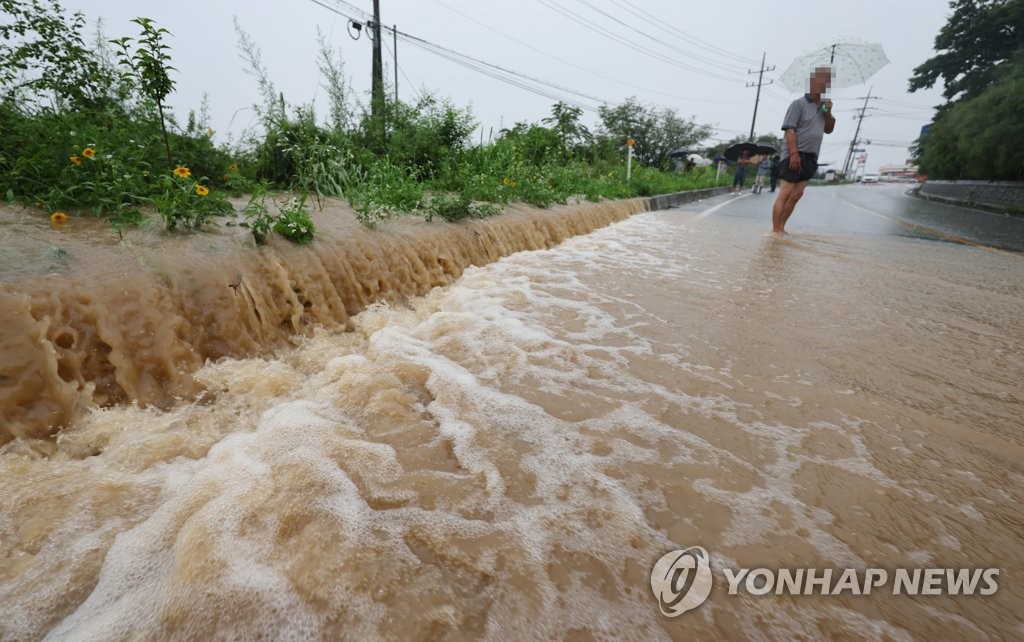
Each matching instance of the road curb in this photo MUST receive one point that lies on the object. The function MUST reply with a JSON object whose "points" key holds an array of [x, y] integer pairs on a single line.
{"points": [[666, 201]]}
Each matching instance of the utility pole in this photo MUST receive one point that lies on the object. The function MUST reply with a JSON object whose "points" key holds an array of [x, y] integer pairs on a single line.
{"points": [[377, 89], [760, 78], [856, 134], [394, 44]]}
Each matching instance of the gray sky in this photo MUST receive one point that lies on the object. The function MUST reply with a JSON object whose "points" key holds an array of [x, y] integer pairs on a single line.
{"points": [[692, 57]]}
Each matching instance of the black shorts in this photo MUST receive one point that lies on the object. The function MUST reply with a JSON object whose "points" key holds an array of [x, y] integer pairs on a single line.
{"points": [[808, 165]]}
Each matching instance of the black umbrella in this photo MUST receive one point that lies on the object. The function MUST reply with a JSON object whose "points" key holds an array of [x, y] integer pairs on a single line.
{"points": [[677, 153], [766, 150], [733, 153]]}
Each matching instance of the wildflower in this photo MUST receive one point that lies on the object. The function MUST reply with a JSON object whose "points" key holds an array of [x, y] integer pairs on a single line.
{"points": [[59, 217], [225, 178], [233, 167], [88, 152], [76, 160], [182, 172], [505, 181], [202, 191], [511, 183]]}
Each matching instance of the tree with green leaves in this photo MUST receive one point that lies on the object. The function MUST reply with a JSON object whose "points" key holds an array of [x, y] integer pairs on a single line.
{"points": [[42, 51], [149, 65], [565, 121], [977, 133], [655, 132], [979, 38]]}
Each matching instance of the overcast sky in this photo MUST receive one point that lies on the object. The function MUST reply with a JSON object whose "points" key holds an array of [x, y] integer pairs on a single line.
{"points": [[692, 57]]}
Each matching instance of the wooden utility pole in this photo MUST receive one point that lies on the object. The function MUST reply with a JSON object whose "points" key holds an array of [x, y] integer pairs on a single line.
{"points": [[377, 98], [760, 81], [856, 134]]}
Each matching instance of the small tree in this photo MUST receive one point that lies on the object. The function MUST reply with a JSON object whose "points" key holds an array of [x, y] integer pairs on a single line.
{"points": [[149, 66]]}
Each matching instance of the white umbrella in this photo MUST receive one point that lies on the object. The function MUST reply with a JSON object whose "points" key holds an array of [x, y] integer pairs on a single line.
{"points": [[852, 62]]}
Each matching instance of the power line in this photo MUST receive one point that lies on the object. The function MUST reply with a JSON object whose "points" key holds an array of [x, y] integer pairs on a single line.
{"points": [[590, 25], [647, 35], [495, 70], [508, 76], [570, 63], [684, 36]]}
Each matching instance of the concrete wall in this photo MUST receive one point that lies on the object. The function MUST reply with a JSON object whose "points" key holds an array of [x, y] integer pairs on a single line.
{"points": [[665, 201], [1001, 194]]}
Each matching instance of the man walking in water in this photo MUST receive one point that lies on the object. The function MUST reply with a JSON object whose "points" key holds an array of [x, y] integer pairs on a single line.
{"points": [[807, 121]]}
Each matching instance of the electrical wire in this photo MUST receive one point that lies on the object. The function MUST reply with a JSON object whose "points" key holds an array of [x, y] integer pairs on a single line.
{"points": [[574, 65], [592, 26], [661, 24], [508, 76], [685, 52]]}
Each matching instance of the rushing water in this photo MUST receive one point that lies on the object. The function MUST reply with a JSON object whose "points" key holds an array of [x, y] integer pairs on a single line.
{"points": [[507, 456]]}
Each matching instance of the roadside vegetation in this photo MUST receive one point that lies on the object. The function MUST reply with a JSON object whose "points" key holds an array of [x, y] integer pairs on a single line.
{"points": [[979, 58], [87, 131]]}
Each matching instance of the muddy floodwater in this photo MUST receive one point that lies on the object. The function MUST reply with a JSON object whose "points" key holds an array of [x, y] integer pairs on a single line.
{"points": [[502, 448]]}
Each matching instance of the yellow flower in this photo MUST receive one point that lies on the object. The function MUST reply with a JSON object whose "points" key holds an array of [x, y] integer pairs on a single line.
{"points": [[511, 183], [76, 160], [182, 172], [505, 181], [233, 167], [59, 217], [202, 191], [88, 152]]}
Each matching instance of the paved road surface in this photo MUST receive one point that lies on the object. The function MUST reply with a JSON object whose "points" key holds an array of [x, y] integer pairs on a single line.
{"points": [[885, 209]]}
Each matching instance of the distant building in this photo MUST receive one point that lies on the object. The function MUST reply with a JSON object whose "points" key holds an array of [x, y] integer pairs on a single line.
{"points": [[896, 172]]}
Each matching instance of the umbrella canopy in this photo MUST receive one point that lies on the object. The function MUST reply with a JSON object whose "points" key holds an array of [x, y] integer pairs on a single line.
{"points": [[678, 153], [733, 153], [852, 63], [766, 150]]}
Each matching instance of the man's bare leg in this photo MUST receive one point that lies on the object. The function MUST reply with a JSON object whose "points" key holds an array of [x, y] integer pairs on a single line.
{"points": [[785, 202], [795, 196]]}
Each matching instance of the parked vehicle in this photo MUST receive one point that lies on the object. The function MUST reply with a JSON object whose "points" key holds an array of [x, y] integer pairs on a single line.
{"points": [[869, 178]]}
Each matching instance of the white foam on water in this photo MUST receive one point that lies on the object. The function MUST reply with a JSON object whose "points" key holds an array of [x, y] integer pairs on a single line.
{"points": [[504, 458]]}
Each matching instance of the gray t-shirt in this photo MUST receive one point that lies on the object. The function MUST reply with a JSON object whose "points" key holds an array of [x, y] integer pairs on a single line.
{"points": [[808, 120]]}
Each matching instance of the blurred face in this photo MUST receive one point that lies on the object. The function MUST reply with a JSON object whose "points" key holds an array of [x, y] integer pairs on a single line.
{"points": [[820, 80]]}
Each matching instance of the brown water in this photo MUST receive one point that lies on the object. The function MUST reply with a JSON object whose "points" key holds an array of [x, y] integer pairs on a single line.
{"points": [[507, 456]]}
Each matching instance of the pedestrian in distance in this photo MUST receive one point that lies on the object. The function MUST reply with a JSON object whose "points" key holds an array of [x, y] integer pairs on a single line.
{"points": [[774, 174], [763, 168], [806, 122], [740, 175]]}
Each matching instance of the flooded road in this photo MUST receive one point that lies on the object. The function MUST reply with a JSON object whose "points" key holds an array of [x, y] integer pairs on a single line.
{"points": [[508, 456], [891, 209]]}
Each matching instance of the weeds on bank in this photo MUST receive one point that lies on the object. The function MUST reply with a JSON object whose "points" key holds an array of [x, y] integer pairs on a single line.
{"points": [[292, 220], [187, 202], [91, 130]]}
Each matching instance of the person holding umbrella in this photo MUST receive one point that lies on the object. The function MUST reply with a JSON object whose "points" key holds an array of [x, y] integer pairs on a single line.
{"points": [[807, 120], [739, 177]]}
